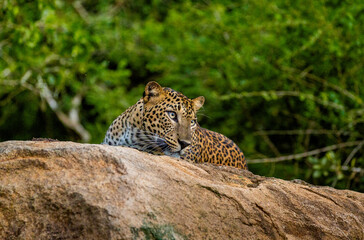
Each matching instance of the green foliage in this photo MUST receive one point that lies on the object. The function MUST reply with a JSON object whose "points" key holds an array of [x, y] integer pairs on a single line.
{"points": [[279, 77], [327, 165]]}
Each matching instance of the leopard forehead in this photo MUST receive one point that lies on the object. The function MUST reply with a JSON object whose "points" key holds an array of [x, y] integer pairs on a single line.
{"points": [[178, 102]]}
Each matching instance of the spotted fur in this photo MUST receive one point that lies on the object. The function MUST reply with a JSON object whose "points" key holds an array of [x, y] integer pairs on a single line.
{"points": [[164, 122]]}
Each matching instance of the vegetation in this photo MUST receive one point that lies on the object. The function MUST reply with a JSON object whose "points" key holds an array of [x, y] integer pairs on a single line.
{"points": [[284, 80]]}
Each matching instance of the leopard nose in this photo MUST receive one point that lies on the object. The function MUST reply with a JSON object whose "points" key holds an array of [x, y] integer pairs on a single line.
{"points": [[184, 144]]}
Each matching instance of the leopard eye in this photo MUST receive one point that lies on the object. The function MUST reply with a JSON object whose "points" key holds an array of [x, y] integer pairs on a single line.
{"points": [[172, 115], [193, 123]]}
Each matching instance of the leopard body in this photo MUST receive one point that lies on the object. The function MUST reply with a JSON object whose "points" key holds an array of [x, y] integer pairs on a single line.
{"points": [[164, 122]]}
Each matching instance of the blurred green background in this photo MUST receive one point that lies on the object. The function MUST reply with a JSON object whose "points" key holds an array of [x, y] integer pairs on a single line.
{"points": [[283, 79]]}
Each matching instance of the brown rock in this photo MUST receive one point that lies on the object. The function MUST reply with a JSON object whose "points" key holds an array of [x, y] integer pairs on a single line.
{"points": [[65, 190]]}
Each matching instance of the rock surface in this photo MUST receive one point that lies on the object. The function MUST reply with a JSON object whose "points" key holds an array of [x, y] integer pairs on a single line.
{"points": [[65, 190]]}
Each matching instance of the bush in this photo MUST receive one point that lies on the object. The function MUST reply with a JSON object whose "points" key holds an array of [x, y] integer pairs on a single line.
{"points": [[279, 78]]}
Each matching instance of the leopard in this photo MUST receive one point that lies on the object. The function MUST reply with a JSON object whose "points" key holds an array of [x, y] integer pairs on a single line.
{"points": [[164, 122]]}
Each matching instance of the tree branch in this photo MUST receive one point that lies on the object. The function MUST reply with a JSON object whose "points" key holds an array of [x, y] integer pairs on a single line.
{"points": [[352, 154], [81, 11], [354, 169], [306, 74], [71, 120], [271, 145], [305, 154], [301, 132], [277, 94]]}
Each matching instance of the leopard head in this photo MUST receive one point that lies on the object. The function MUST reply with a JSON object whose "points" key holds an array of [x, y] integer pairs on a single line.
{"points": [[171, 116]]}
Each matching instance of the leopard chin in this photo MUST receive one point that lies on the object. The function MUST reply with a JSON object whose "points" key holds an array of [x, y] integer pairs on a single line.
{"points": [[172, 154]]}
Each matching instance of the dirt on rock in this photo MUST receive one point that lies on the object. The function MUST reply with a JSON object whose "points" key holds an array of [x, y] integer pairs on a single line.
{"points": [[66, 190]]}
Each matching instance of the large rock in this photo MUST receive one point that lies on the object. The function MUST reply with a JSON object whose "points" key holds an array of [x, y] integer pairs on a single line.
{"points": [[65, 190]]}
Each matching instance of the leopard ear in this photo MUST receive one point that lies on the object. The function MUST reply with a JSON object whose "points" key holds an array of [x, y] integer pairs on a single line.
{"points": [[153, 93], [198, 102]]}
